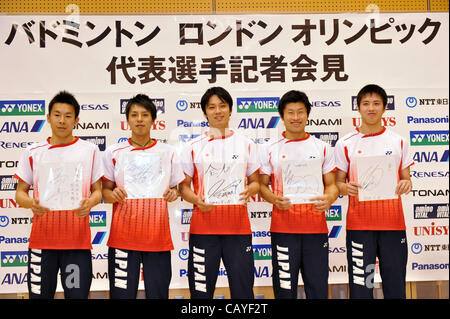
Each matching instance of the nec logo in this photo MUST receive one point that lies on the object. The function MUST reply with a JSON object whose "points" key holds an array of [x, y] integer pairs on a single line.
{"points": [[22, 126], [390, 103], [255, 123]]}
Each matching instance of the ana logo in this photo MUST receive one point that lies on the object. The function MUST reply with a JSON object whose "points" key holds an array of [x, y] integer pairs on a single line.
{"points": [[257, 104], [99, 236], [416, 248], [27, 107], [411, 102], [334, 233], [428, 157], [20, 127], [429, 138], [256, 123]]}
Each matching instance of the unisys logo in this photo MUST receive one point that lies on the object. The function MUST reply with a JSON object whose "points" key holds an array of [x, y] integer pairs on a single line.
{"points": [[386, 121], [432, 230]]}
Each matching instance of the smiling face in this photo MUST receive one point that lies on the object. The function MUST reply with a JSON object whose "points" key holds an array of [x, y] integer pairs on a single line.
{"points": [[295, 117], [371, 109], [217, 112], [139, 120], [62, 120]]}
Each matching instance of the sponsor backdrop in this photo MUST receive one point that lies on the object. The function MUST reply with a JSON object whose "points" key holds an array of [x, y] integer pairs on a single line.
{"points": [[104, 60]]}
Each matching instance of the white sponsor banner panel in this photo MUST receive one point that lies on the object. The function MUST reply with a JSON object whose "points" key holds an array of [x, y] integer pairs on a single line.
{"points": [[105, 60]]}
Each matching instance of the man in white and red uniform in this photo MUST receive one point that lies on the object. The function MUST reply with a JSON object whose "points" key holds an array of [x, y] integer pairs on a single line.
{"points": [[375, 228], [299, 232], [140, 231], [219, 231], [60, 240]]}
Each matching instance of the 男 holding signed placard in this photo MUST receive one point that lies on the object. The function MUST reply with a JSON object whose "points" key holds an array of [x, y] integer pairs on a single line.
{"points": [[146, 175], [224, 181], [60, 185], [377, 176], [302, 180]]}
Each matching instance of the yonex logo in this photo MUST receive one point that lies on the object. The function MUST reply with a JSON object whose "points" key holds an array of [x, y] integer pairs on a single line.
{"points": [[429, 137], [27, 107], [14, 258], [257, 104]]}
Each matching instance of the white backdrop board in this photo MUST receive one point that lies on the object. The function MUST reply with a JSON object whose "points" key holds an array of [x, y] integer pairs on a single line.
{"points": [[105, 60]]}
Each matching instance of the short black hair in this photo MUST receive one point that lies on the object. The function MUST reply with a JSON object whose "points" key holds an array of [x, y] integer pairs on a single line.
{"points": [[67, 98], [293, 96], [144, 101], [223, 95], [370, 89]]}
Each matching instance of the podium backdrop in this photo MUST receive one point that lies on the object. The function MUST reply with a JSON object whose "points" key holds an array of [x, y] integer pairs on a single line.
{"points": [[105, 60]]}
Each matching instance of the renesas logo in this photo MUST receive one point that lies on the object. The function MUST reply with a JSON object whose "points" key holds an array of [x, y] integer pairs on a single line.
{"points": [[13, 145], [257, 104], [426, 211], [22, 126], [412, 101], [100, 141], [159, 103], [255, 123], [429, 157], [328, 137], [94, 107], [326, 103], [390, 103], [419, 138], [24, 107]]}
